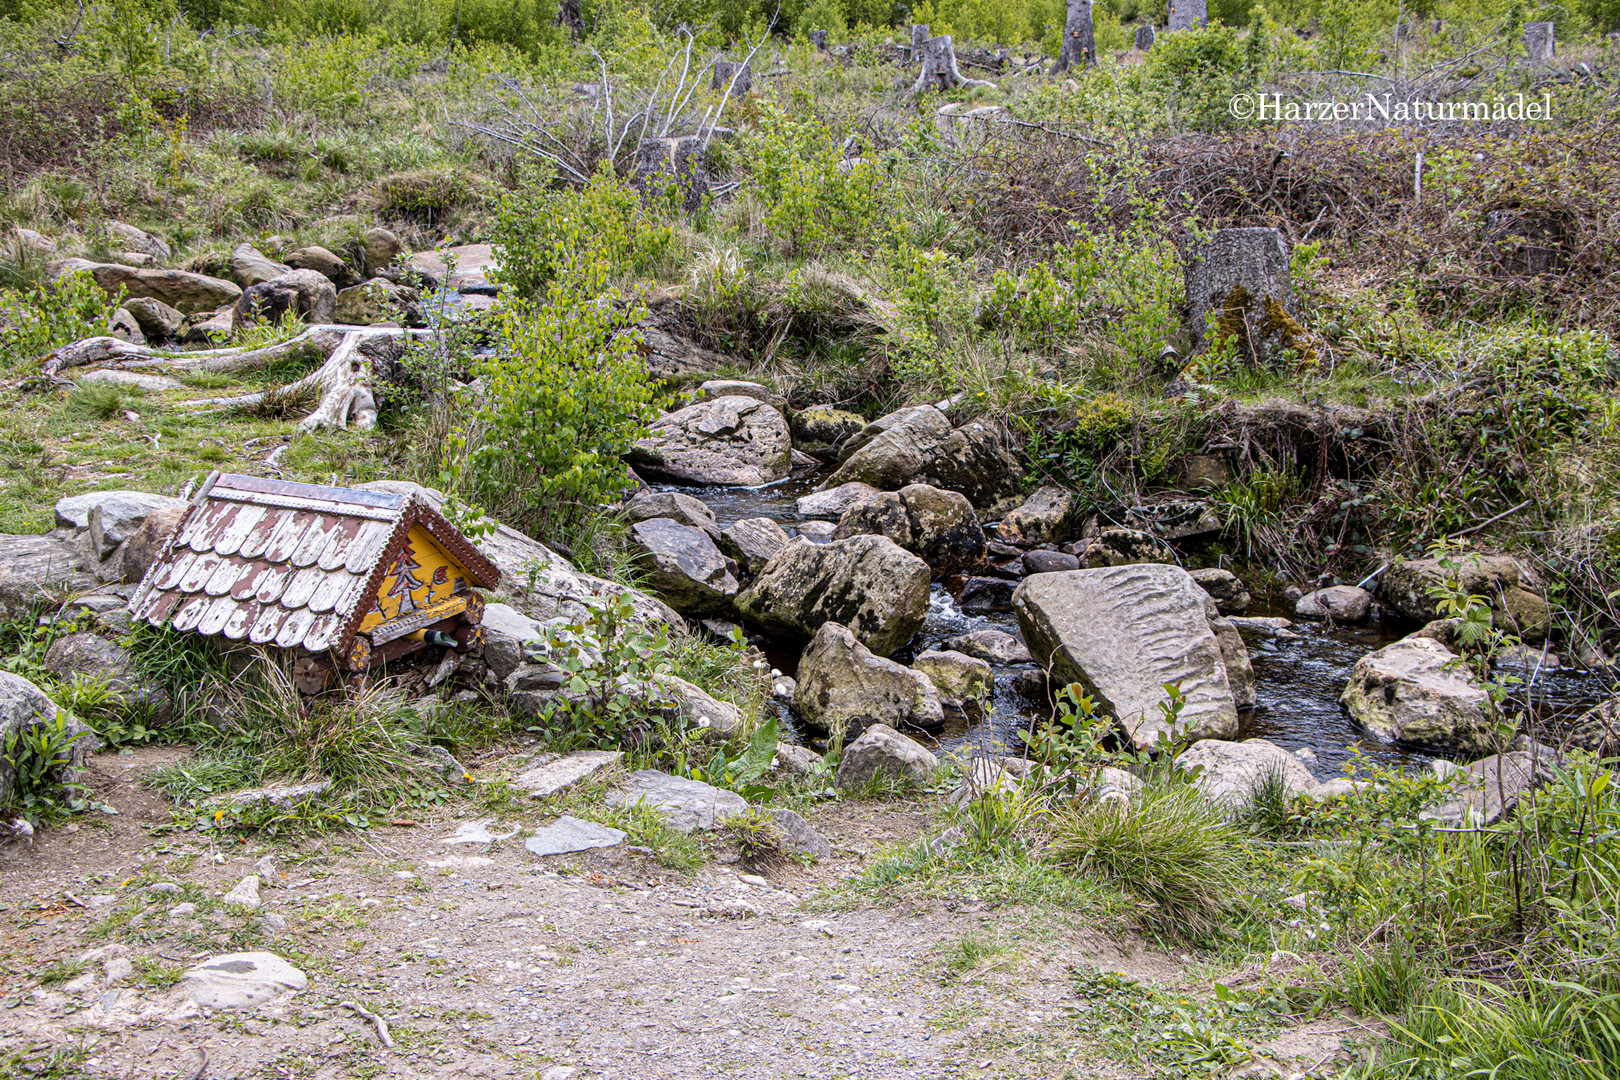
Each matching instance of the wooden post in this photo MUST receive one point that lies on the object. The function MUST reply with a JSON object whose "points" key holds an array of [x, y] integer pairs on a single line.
{"points": [[1079, 43]]}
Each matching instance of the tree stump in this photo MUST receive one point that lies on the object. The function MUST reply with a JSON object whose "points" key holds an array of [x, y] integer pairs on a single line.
{"points": [[939, 71], [677, 165], [568, 15], [1538, 42], [818, 38], [723, 72], [919, 34], [1079, 44], [1186, 14], [1145, 35], [1241, 277]]}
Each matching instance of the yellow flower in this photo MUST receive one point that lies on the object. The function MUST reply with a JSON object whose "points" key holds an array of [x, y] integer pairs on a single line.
{"points": [[218, 814]]}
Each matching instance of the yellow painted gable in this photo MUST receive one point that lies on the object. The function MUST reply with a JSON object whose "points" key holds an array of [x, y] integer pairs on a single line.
{"points": [[421, 576]]}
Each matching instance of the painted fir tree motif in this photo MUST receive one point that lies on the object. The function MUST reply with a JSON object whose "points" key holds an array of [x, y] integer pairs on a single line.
{"points": [[405, 580]]}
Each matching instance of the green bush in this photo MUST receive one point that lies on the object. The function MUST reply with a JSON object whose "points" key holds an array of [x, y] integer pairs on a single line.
{"points": [[1196, 72], [37, 320], [813, 198]]}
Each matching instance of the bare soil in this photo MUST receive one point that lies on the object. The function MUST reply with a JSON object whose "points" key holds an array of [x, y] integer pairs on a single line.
{"points": [[485, 960]]}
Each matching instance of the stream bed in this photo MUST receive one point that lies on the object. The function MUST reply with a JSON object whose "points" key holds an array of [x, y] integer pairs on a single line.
{"points": [[1298, 679]]}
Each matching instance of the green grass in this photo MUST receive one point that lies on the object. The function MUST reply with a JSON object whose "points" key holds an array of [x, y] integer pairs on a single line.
{"points": [[970, 953]]}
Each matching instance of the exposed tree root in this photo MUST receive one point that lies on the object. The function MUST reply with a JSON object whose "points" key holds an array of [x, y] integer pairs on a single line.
{"points": [[343, 383]]}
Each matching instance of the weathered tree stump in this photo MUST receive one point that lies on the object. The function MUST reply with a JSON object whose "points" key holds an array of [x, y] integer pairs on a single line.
{"points": [[939, 71], [723, 72], [677, 165], [1079, 43], [568, 15], [1186, 14], [919, 34], [1526, 242], [1538, 42], [818, 38], [1145, 36], [1241, 277]]}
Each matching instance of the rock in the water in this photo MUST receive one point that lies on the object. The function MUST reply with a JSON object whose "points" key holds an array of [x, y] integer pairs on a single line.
{"points": [[250, 266], [820, 430], [683, 565], [186, 292], [1598, 730], [1124, 632], [1123, 547], [1235, 654], [1515, 608], [1341, 603], [1042, 561], [817, 532], [866, 583], [730, 440], [562, 773], [676, 506], [569, 834], [328, 265], [992, 645], [938, 526], [753, 542], [1230, 771], [964, 682], [242, 980], [1046, 517], [981, 595], [883, 751], [800, 837], [842, 686], [1263, 626], [919, 446], [378, 301], [685, 804], [1412, 692], [245, 894], [304, 293], [24, 705], [1224, 588], [833, 502]]}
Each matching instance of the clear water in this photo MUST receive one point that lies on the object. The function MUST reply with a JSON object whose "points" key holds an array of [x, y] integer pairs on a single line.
{"points": [[1297, 681]]}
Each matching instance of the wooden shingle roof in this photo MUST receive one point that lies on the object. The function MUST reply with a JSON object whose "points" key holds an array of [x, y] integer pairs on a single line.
{"points": [[291, 565]]}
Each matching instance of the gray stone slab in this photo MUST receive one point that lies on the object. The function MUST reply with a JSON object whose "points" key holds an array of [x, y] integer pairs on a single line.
{"points": [[568, 834], [565, 772], [685, 804]]}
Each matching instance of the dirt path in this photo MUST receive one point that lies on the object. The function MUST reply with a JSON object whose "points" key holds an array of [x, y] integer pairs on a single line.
{"points": [[488, 961]]}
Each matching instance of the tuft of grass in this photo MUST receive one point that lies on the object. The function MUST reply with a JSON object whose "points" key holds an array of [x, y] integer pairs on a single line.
{"points": [[758, 838], [1168, 845], [972, 951], [62, 971], [99, 401], [1385, 981], [1269, 810]]}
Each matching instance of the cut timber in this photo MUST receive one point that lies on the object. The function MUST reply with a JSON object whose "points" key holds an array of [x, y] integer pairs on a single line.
{"points": [[939, 71], [1079, 44]]}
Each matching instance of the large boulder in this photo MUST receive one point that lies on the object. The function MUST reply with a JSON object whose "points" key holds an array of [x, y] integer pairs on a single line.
{"points": [[1235, 654], [753, 542], [1486, 791], [692, 706], [674, 505], [1046, 517], [158, 321], [866, 583], [1340, 603], [1123, 632], [1515, 606], [1223, 586], [833, 502], [24, 705], [251, 267], [1122, 547], [919, 446], [120, 514], [304, 293], [842, 686], [820, 430], [683, 565], [378, 301], [883, 751], [711, 389], [994, 646], [189, 293], [325, 263], [729, 440], [1414, 692], [1229, 772], [938, 526], [36, 571], [964, 682]]}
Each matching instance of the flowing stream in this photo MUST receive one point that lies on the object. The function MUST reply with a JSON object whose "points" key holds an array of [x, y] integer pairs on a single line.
{"points": [[1298, 679]]}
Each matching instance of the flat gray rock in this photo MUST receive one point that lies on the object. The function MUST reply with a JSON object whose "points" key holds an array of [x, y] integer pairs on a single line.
{"points": [[242, 980], [800, 837], [38, 570], [568, 834], [565, 772], [685, 804], [475, 832]]}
